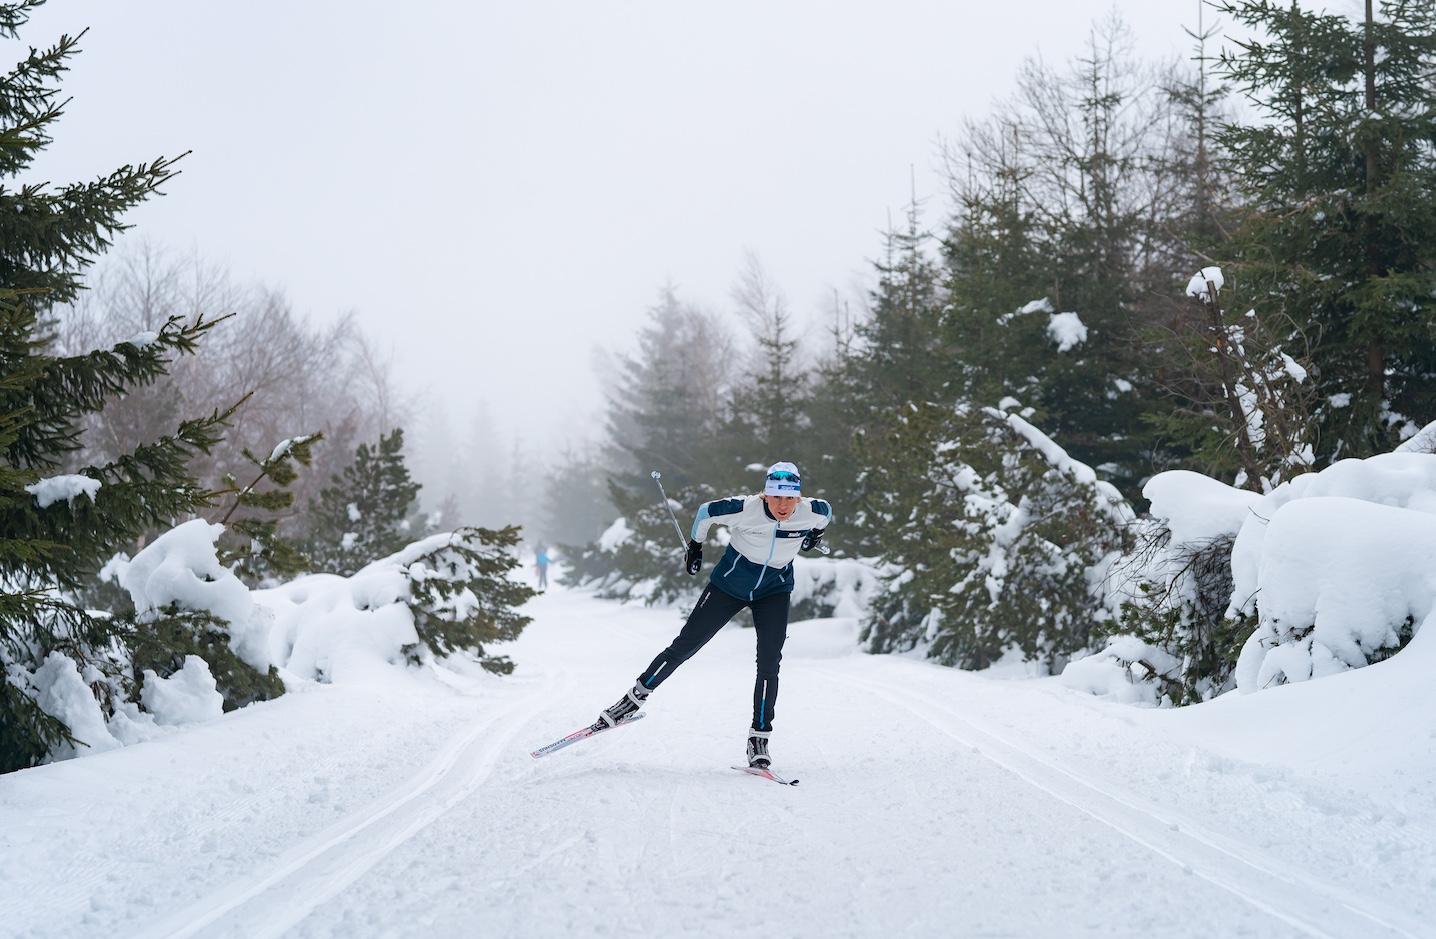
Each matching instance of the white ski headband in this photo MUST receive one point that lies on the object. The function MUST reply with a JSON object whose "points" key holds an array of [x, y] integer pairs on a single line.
{"points": [[783, 480]]}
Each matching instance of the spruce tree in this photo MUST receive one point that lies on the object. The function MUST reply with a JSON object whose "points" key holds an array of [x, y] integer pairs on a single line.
{"points": [[60, 528], [668, 405], [1339, 177], [767, 418], [364, 515]]}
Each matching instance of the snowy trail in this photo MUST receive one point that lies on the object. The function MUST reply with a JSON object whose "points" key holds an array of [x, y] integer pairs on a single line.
{"points": [[313, 872], [1307, 904], [933, 803]]}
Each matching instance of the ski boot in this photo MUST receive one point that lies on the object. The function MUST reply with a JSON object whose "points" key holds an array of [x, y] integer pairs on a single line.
{"points": [[758, 749], [625, 706]]}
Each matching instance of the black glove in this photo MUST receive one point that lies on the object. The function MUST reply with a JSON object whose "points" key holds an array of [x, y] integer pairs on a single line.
{"points": [[693, 558], [811, 539]]}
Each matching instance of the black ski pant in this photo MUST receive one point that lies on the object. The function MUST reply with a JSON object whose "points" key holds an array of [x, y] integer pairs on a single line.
{"points": [[715, 608]]}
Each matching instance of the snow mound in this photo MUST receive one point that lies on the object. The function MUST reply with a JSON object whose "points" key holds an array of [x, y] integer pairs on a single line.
{"points": [[186, 697], [56, 488], [1423, 441], [1398, 480]]}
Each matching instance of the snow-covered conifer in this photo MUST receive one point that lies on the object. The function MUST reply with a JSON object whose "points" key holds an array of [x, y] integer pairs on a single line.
{"points": [[61, 522], [364, 515], [997, 540]]}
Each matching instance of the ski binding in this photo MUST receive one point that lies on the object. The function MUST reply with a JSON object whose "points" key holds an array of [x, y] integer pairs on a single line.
{"points": [[583, 734]]}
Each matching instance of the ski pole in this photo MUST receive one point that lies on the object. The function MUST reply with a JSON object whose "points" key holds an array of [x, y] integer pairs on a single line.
{"points": [[658, 478]]}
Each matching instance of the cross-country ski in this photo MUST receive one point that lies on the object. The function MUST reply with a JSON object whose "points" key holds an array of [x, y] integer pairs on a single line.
{"points": [[583, 734], [766, 773]]}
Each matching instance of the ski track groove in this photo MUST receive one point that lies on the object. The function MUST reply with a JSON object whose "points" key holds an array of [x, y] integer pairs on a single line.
{"points": [[84, 871], [1109, 804], [275, 920]]}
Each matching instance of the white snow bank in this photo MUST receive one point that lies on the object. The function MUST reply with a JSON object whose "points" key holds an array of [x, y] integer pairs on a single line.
{"points": [[829, 638], [186, 697], [180, 567], [321, 627], [1338, 568], [1338, 580], [1067, 330], [49, 491], [337, 629]]}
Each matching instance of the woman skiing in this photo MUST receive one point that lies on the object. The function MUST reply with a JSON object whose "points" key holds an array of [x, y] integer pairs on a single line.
{"points": [[756, 572]]}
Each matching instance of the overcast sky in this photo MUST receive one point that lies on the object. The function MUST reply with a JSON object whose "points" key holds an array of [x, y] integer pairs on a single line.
{"points": [[497, 188]]}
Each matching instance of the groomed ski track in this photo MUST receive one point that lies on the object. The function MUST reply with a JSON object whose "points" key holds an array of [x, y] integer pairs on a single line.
{"points": [[933, 803]]}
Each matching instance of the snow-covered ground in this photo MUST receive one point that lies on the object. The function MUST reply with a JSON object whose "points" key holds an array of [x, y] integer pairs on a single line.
{"points": [[932, 803]]}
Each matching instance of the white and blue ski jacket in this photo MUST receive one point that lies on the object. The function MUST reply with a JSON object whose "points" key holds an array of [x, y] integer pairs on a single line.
{"points": [[759, 559]]}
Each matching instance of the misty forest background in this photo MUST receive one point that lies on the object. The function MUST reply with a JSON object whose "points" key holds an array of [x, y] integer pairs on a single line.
{"points": [[1033, 341]]}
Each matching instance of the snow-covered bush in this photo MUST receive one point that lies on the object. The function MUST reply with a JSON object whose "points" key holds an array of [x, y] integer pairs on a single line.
{"points": [[1172, 593], [202, 642], [460, 594], [446, 595], [1334, 565], [1327, 572], [997, 539], [1341, 584]]}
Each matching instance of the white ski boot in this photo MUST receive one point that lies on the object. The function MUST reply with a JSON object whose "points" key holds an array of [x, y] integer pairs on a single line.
{"points": [[758, 749], [625, 706]]}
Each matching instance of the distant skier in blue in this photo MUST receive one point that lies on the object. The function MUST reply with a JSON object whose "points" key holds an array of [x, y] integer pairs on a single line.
{"points": [[541, 566], [756, 572]]}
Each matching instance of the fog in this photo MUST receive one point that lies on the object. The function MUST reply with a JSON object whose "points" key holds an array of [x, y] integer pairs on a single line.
{"points": [[499, 189]]}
